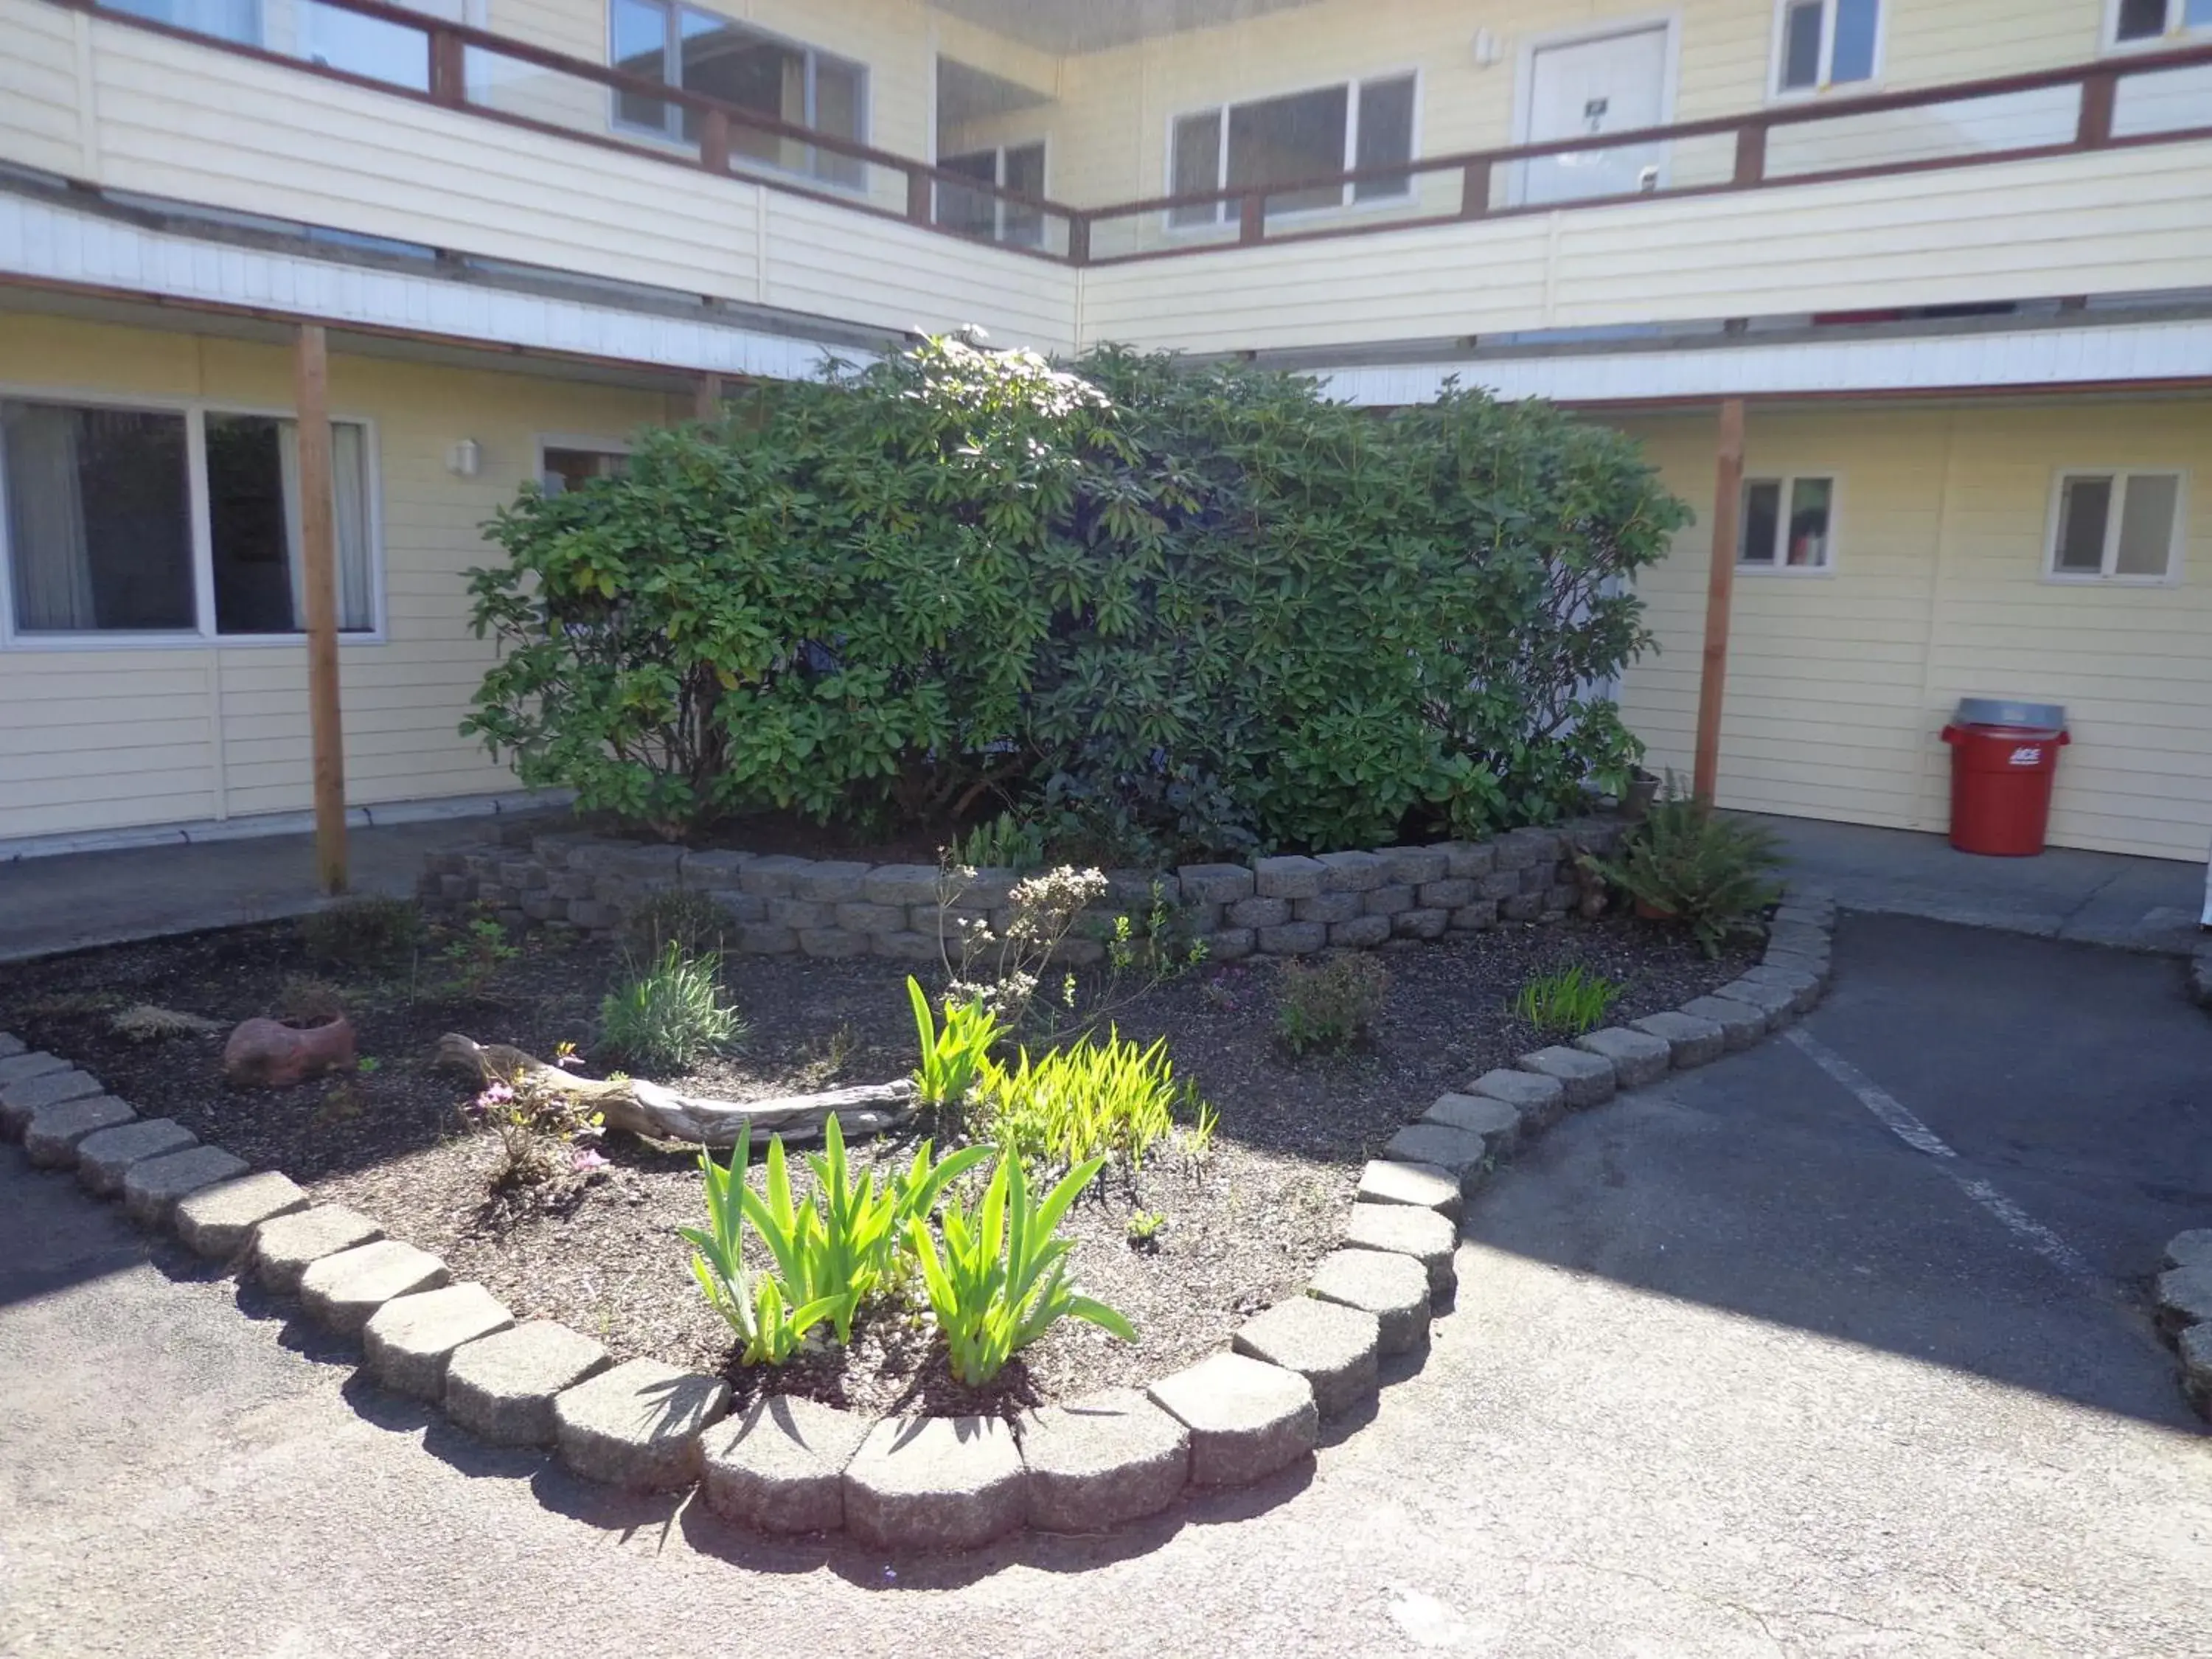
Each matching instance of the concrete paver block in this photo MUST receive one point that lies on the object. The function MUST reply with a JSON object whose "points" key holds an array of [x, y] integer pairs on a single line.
{"points": [[1804, 988], [11, 1045], [1540, 1100], [20, 1100], [1691, 1039], [1741, 1025], [638, 1425], [285, 1244], [1403, 1229], [341, 1292], [54, 1133], [1246, 1419], [409, 1340], [1778, 1002], [2195, 1346], [152, 1187], [1100, 1461], [1332, 1347], [1637, 1057], [1393, 1288], [27, 1063], [780, 1467], [104, 1158], [2191, 1249], [2185, 1295], [1420, 1186], [1497, 1121], [502, 1388], [935, 1483], [1453, 1151], [218, 1221], [1588, 1080]]}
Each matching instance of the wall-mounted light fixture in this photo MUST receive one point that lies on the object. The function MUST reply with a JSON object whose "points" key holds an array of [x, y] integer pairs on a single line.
{"points": [[1487, 47], [465, 459]]}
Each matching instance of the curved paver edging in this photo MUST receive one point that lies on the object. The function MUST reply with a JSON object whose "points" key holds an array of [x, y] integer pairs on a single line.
{"points": [[788, 1465], [2184, 1307]]}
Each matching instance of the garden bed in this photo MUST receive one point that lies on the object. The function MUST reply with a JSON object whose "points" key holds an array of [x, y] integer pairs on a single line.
{"points": [[1240, 1227]]}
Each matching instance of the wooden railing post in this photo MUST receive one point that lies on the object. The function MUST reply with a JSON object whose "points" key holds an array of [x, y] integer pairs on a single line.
{"points": [[714, 140], [2099, 92], [449, 68], [1720, 588], [1252, 218], [919, 192], [318, 564], [1079, 238], [1751, 153], [1474, 189]]}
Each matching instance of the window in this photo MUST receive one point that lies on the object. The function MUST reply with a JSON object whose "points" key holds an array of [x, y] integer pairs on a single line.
{"points": [[2152, 20], [975, 213], [238, 20], [703, 53], [1823, 43], [2118, 527], [102, 535], [1788, 523], [561, 469], [1304, 135]]}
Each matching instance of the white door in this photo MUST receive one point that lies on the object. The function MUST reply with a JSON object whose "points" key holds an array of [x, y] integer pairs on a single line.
{"points": [[1614, 84]]}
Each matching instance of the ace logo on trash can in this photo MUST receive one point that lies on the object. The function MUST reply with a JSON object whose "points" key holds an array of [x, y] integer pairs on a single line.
{"points": [[2028, 754]]}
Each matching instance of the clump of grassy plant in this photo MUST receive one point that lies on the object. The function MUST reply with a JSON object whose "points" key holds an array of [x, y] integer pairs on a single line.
{"points": [[364, 931], [1143, 1229], [303, 1000], [1331, 1003], [1109, 1099], [476, 952], [1005, 842], [953, 1054], [669, 1013], [1571, 1000]]}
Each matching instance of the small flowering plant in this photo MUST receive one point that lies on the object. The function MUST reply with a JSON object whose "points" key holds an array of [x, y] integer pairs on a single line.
{"points": [[544, 1132]]}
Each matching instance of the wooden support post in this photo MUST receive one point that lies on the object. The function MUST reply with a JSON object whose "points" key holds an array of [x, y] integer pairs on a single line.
{"points": [[920, 190], [449, 73], [2100, 94], [1079, 238], [1751, 153], [1252, 218], [1474, 189], [714, 140], [707, 398], [1720, 585], [319, 555]]}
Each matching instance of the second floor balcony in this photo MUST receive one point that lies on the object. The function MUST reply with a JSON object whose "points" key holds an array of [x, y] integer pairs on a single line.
{"points": [[718, 161]]}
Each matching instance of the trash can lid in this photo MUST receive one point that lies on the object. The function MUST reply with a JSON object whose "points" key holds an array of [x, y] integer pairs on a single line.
{"points": [[2007, 711]]}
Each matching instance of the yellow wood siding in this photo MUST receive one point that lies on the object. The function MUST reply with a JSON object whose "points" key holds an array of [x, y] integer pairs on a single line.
{"points": [[106, 737], [1839, 685]]}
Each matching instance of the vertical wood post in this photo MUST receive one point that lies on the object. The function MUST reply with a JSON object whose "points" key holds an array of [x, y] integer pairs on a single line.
{"points": [[449, 75], [921, 190], [1079, 238], [1474, 189], [1252, 218], [707, 398], [1720, 585], [1751, 153], [2100, 94], [714, 140], [318, 555]]}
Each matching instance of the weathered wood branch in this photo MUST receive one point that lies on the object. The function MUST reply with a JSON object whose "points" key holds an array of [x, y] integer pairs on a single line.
{"points": [[659, 1114]]}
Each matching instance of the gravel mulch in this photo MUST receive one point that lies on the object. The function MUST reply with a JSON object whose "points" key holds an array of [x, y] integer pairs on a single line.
{"points": [[1240, 1228]]}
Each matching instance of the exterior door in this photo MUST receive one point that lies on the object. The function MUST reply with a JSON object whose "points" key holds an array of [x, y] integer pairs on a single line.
{"points": [[1615, 83]]}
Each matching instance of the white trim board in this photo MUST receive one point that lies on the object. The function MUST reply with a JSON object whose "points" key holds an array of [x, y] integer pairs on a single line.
{"points": [[2025, 359], [256, 824], [42, 242]]}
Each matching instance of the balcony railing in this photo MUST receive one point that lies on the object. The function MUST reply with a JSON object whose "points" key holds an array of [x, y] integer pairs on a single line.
{"points": [[2143, 98]]}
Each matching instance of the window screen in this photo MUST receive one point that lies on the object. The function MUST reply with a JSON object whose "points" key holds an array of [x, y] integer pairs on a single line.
{"points": [[1196, 166], [1299, 137], [1386, 136], [98, 519]]}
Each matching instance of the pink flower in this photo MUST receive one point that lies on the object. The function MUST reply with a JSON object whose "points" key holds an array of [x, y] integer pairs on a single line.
{"points": [[584, 1159]]}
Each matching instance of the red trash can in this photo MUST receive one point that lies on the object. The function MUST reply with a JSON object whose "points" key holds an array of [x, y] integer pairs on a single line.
{"points": [[2004, 758]]}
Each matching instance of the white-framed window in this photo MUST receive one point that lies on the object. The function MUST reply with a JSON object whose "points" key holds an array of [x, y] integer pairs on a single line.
{"points": [[146, 522], [680, 47], [2145, 22], [1300, 135], [2114, 525], [976, 213], [1787, 522], [567, 464], [1820, 44]]}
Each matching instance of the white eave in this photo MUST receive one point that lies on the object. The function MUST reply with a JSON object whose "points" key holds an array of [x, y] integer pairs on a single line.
{"points": [[47, 243], [2106, 352]]}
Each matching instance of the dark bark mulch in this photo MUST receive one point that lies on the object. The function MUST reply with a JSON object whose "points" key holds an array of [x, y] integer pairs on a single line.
{"points": [[1241, 1227]]}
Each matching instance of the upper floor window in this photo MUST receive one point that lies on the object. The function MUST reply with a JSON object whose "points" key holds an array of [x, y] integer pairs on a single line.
{"points": [[703, 53], [2152, 20], [1823, 43], [1018, 167], [2122, 526], [1304, 135], [102, 535], [1786, 522]]}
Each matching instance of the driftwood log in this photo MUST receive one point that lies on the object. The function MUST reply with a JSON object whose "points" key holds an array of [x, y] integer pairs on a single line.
{"points": [[658, 1114]]}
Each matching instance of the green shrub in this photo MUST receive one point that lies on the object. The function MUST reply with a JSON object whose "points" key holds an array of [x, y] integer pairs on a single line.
{"points": [[670, 1013], [1005, 843], [1173, 608], [1571, 1000], [1001, 1281], [1090, 1100], [1330, 1004], [950, 1056], [476, 953], [692, 922], [365, 932], [1690, 866]]}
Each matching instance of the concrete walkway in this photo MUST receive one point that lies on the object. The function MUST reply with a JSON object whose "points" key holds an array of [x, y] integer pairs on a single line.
{"points": [[1734, 1372], [2100, 898]]}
